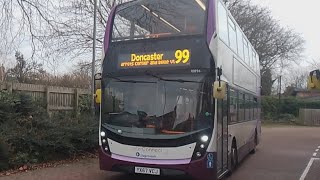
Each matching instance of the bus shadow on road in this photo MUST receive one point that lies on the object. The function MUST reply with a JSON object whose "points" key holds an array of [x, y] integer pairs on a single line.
{"points": [[146, 177], [242, 164]]}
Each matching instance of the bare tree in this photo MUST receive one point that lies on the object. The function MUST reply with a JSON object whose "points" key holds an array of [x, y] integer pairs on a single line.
{"points": [[2, 73], [296, 81], [277, 46], [79, 77], [24, 71], [314, 64], [55, 28], [60, 30]]}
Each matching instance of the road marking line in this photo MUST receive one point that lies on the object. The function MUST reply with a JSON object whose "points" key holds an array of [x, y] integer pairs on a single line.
{"points": [[314, 154], [319, 147], [305, 172], [317, 150]]}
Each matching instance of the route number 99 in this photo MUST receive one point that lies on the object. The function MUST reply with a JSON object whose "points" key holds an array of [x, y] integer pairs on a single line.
{"points": [[182, 56]]}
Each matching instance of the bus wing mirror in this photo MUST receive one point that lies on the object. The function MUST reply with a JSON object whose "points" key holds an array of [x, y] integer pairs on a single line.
{"points": [[97, 76], [98, 96], [311, 82], [311, 86], [219, 89]]}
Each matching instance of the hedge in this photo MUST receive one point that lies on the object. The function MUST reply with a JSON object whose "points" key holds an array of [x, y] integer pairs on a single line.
{"points": [[272, 108], [29, 135]]}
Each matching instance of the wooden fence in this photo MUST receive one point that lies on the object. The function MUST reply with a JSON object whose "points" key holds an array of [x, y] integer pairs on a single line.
{"points": [[309, 117], [56, 98]]}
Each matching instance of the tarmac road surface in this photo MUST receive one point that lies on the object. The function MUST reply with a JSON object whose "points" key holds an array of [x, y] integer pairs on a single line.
{"points": [[285, 153]]}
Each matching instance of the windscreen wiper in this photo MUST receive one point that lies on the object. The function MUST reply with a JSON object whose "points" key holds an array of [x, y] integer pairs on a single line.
{"points": [[121, 113], [172, 80], [128, 81]]}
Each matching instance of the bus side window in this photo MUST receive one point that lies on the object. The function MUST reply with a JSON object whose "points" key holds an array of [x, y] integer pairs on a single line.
{"points": [[252, 107], [223, 23], [246, 51], [241, 107], [247, 107], [255, 107], [232, 35], [233, 106], [248, 100], [240, 44]]}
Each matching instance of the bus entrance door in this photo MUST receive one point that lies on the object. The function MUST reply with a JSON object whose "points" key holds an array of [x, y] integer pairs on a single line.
{"points": [[222, 136]]}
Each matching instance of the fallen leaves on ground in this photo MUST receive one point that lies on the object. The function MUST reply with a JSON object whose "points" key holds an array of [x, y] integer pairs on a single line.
{"points": [[30, 167]]}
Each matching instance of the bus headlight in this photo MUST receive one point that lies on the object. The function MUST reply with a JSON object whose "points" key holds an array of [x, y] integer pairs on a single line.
{"points": [[104, 142], [102, 134], [198, 154], [204, 138], [202, 146]]}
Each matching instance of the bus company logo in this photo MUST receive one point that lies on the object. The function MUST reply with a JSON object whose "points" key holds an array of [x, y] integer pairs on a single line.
{"points": [[150, 150], [145, 156]]}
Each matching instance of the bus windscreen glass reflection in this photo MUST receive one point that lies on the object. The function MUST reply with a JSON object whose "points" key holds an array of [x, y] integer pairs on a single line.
{"points": [[152, 106], [153, 19]]}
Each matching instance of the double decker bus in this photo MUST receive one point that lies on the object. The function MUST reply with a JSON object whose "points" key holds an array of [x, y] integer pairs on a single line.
{"points": [[180, 90]]}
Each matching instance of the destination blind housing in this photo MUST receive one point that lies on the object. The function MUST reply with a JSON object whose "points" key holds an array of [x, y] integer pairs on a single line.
{"points": [[155, 59]]}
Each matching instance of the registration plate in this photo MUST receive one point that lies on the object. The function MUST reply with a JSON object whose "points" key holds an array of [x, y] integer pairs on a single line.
{"points": [[144, 170]]}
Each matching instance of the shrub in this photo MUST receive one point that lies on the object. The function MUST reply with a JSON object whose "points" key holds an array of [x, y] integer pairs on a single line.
{"points": [[38, 140], [84, 104], [288, 106], [7, 105], [32, 136], [4, 156]]}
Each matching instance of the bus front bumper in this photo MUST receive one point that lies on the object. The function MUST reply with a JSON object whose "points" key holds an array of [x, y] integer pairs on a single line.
{"points": [[197, 169]]}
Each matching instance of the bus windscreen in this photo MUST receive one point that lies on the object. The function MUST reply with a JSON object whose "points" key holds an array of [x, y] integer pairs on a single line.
{"points": [[153, 106], [153, 19]]}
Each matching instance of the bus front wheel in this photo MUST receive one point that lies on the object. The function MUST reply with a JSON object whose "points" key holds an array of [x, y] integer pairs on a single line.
{"points": [[234, 156], [253, 151]]}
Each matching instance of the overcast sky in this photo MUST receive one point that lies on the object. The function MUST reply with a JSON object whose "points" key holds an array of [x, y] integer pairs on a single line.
{"points": [[302, 16]]}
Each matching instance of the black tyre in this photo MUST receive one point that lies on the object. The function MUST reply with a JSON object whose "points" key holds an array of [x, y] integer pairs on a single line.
{"points": [[253, 151], [234, 156]]}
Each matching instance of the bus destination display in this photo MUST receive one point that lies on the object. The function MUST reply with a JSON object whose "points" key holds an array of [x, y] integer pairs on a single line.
{"points": [[155, 59]]}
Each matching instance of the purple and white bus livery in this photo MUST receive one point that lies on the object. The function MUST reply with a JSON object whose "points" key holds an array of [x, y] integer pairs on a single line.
{"points": [[180, 90]]}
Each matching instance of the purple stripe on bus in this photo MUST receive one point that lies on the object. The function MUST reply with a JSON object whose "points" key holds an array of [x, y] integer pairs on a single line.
{"points": [[108, 30], [211, 24], [196, 169], [151, 161]]}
